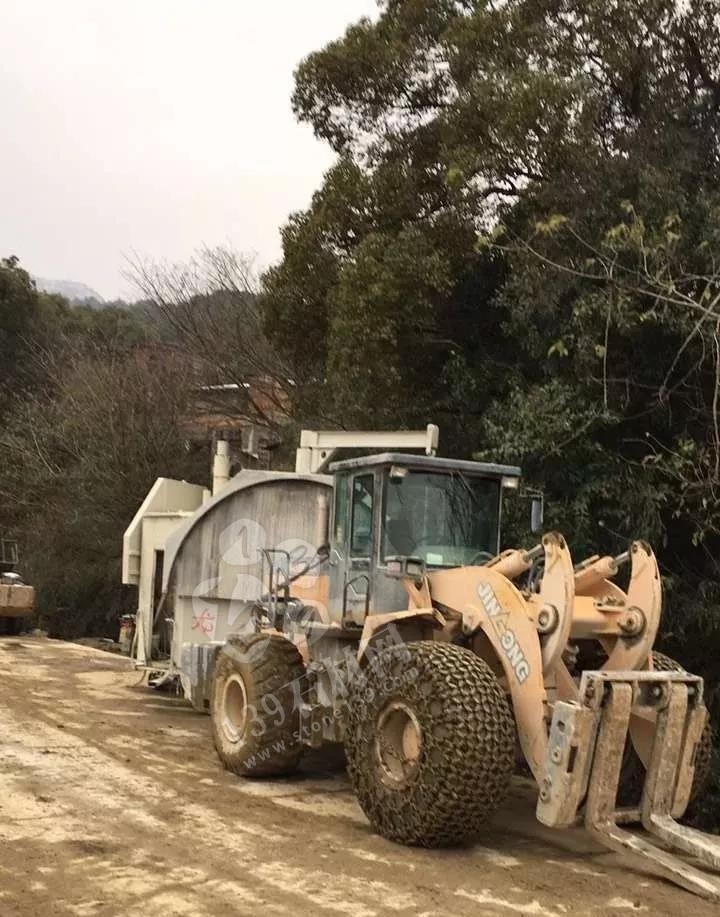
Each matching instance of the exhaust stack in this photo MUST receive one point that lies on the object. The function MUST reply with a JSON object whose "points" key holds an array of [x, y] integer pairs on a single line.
{"points": [[221, 467]]}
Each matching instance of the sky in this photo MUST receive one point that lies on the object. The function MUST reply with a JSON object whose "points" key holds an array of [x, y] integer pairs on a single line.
{"points": [[155, 127]]}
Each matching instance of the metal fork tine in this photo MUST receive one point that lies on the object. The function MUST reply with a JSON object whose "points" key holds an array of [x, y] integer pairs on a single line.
{"points": [[663, 864], [603, 788], [696, 720], [702, 846], [658, 795], [662, 772], [672, 734]]}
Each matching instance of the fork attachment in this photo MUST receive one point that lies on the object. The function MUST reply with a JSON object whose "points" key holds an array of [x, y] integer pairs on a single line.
{"points": [[585, 757]]}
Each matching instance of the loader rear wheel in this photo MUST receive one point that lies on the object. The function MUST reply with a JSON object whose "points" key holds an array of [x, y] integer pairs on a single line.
{"points": [[430, 744], [253, 709], [632, 776], [10, 627]]}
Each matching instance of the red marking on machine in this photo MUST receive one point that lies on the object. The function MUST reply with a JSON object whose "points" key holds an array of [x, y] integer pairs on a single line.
{"points": [[204, 622]]}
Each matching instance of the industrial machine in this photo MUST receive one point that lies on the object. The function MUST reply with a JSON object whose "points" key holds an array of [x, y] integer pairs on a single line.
{"points": [[373, 606], [17, 599]]}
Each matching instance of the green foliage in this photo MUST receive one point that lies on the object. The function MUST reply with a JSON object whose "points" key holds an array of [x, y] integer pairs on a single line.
{"points": [[382, 315], [95, 416], [76, 465], [19, 307], [524, 247]]}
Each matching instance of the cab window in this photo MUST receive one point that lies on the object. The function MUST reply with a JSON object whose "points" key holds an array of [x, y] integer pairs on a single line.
{"points": [[448, 520], [362, 515], [341, 512]]}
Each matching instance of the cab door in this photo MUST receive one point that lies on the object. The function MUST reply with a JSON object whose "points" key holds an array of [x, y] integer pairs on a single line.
{"points": [[353, 546]]}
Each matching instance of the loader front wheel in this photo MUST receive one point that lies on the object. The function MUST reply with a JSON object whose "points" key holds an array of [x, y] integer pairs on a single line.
{"points": [[254, 713], [632, 776], [430, 744]]}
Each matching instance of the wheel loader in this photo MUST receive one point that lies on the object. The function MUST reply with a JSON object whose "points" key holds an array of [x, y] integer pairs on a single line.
{"points": [[438, 660]]}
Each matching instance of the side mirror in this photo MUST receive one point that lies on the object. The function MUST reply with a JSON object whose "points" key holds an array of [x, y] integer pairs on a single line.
{"points": [[537, 514]]}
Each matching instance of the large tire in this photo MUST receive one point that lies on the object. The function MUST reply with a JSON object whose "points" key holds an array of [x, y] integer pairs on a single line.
{"points": [[632, 776], [11, 627], [430, 744], [253, 708]]}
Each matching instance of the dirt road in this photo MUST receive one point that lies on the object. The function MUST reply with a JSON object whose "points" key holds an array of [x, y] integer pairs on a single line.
{"points": [[113, 803]]}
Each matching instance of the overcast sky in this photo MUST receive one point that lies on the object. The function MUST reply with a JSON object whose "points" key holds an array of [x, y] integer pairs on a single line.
{"points": [[154, 126]]}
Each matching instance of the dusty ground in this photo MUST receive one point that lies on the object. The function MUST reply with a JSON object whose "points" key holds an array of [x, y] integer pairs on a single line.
{"points": [[113, 803]]}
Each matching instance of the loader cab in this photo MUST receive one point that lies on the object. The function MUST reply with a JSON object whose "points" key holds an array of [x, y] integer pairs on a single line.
{"points": [[393, 511], [8, 554]]}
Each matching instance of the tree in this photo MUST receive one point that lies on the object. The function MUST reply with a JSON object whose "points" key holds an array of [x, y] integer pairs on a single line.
{"points": [[452, 116], [76, 461], [655, 286], [207, 311], [19, 306], [446, 116]]}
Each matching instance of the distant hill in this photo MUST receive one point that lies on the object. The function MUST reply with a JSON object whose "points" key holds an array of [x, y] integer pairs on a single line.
{"points": [[71, 289]]}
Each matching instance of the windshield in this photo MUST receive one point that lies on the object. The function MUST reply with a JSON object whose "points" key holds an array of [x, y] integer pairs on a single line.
{"points": [[446, 519], [8, 553]]}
